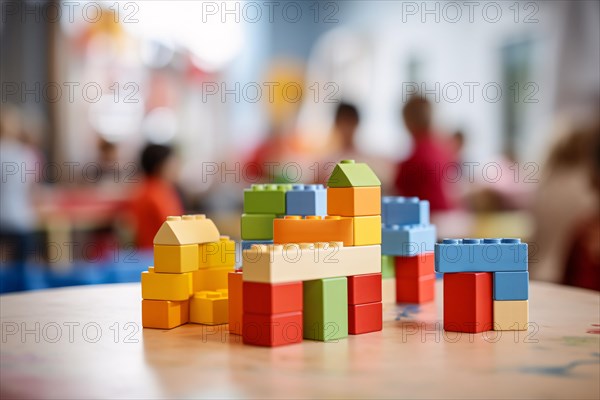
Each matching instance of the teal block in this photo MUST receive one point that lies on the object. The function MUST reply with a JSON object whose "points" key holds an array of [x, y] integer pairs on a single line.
{"points": [[388, 267], [325, 309], [265, 199], [257, 226]]}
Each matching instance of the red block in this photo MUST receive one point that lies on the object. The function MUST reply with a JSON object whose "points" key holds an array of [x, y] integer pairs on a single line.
{"points": [[415, 266], [468, 302], [236, 302], [268, 298], [364, 289], [272, 330], [416, 290], [364, 318]]}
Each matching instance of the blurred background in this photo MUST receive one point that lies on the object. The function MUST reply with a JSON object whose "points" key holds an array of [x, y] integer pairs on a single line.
{"points": [[117, 114]]}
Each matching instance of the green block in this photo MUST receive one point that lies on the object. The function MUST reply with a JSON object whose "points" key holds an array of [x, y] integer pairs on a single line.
{"points": [[347, 173], [265, 199], [257, 226], [325, 314], [388, 267]]}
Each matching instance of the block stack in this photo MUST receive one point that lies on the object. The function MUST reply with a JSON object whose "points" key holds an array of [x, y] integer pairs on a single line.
{"points": [[407, 244], [486, 284]]}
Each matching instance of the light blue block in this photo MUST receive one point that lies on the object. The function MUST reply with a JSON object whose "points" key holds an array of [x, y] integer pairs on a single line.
{"points": [[407, 240], [511, 285], [480, 255], [306, 200], [397, 210], [246, 244]]}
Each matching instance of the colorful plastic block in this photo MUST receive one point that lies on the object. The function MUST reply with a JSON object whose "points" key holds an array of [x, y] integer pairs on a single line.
{"points": [[366, 230], [415, 266], [246, 244], [347, 173], [364, 289], [308, 261], [272, 330], [365, 318], [216, 254], [354, 201], [468, 302], [480, 255], [175, 259], [295, 229], [257, 226], [157, 286], [209, 308], [265, 199], [306, 200], [407, 240], [511, 315], [511, 285], [272, 298], [211, 278], [164, 314], [397, 210], [388, 267], [188, 229], [416, 290], [236, 302], [326, 309]]}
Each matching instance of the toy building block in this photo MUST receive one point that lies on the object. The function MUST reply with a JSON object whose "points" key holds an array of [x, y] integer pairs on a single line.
{"points": [[268, 298], [211, 278], [216, 254], [366, 230], [209, 308], [388, 267], [295, 229], [188, 229], [257, 226], [157, 286], [308, 261], [480, 255], [246, 244], [354, 201], [511, 315], [415, 266], [407, 240], [175, 259], [164, 314], [326, 309], [265, 199], [272, 330], [365, 318], [364, 289], [468, 302], [511, 285], [397, 210], [236, 302], [416, 290], [306, 200], [347, 173]]}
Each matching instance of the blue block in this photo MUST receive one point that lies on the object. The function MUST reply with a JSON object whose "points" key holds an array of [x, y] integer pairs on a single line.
{"points": [[397, 210], [306, 200], [511, 285], [246, 244], [480, 255], [407, 240]]}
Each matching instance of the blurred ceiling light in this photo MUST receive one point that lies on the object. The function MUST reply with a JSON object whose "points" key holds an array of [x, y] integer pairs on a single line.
{"points": [[160, 125], [157, 54], [115, 120]]}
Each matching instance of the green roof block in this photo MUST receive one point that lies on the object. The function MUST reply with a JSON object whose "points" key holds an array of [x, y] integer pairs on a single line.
{"points": [[347, 173]]}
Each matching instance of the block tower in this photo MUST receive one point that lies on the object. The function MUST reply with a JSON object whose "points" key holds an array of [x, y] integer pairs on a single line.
{"points": [[188, 282], [486, 284], [407, 246]]}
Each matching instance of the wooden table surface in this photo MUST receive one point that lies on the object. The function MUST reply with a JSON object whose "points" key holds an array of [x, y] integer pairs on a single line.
{"points": [[84, 342]]}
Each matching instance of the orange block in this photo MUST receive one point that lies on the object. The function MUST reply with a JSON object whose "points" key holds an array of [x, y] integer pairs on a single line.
{"points": [[354, 201], [165, 314], [236, 302], [295, 229]]}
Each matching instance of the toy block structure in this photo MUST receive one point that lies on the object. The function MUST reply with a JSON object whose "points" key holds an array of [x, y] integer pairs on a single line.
{"points": [[408, 241], [486, 284], [262, 204]]}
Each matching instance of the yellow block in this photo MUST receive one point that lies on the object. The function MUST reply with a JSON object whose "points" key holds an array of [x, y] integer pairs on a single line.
{"points": [[209, 308], [157, 286], [217, 254], [367, 230], [165, 314], [511, 315], [211, 278], [175, 259]]}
